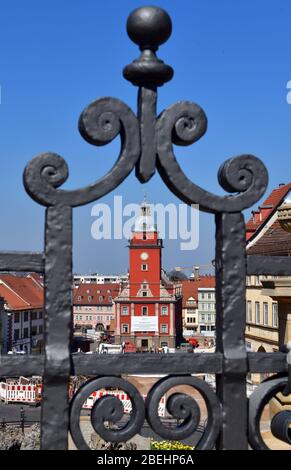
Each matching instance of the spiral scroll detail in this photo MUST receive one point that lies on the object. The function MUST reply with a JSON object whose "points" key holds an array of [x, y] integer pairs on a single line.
{"points": [[107, 408], [184, 407]]}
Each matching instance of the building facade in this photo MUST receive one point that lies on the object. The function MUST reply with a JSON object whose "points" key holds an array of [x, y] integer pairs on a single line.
{"points": [[93, 306], [22, 318], [199, 308], [206, 311], [265, 237], [261, 317], [149, 307]]}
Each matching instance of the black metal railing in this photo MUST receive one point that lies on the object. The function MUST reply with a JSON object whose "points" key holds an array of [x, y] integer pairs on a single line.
{"points": [[146, 144]]}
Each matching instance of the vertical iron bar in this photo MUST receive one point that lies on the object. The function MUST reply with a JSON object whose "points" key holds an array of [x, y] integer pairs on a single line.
{"points": [[58, 321], [22, 419], [147, 108], [230, 328]]}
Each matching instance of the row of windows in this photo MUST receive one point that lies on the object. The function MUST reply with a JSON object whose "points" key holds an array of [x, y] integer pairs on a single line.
{"points": [[34, 331], [191, 311], [206, 295], [89, 309], [90, 298], [207, 317], [34, 316], [205, 306], [257, 314], [125, 328], [207, 328], [89, 317], [89, 291], [190, 320], [144, 310]]}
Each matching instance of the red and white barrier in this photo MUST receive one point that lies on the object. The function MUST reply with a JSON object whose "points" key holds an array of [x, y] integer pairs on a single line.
{"points": [[123, 397], [13, 393]]}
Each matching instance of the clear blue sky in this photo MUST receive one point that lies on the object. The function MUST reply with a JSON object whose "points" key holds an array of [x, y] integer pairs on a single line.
{"points": [[232, 58]]}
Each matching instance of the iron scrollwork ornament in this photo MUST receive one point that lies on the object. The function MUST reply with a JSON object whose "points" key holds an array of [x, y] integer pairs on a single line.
{"points": [[99, 124], [257, 402], [280, 423], [147, 139], [107, 409], [184, 407], [146, 144]]}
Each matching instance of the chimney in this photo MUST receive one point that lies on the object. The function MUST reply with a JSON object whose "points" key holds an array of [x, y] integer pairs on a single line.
{"points": [[196, 272], [257, 216]]}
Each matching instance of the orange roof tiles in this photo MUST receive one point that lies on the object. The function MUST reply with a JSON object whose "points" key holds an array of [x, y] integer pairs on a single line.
{"points": [[275, 242], [266, 209], [21, 292], [95, 294]]}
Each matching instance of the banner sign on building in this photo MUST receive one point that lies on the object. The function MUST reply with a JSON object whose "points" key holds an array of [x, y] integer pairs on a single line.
{"points": [[145, 324]]}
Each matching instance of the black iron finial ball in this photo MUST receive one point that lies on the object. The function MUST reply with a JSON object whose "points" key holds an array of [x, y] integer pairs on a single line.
{"points": [[149, 27]]}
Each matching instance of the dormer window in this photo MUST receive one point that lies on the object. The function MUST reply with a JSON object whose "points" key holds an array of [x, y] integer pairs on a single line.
{"points": [[89, 298], [79, 298], [100, 298]]}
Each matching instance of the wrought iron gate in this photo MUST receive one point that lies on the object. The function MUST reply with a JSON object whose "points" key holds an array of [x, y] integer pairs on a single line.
{"points": [[146, 144]]}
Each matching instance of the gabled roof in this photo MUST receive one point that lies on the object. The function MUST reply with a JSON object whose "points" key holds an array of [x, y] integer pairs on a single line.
{"points": [[95, 294], [265, 211], [20, 292], [267, 237], [275, 241], [190, 287]]}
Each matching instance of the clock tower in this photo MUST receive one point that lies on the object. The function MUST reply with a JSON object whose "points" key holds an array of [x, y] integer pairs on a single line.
{"points": [[145, 249], [149, 307]]}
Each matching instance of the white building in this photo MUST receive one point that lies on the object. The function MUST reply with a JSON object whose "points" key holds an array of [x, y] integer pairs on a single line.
{"points": [[206, 311], [99, 279], [21, 313]]}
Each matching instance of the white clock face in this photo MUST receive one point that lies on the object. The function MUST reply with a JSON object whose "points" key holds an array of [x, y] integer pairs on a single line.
{"points": [[144, 256]]}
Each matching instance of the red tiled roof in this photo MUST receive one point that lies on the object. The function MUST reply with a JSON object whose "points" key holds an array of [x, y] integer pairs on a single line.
{"points": [[268, 207], [21, 292], [36, 278], [190, 287], [277, 195], [274, 242], [91, 293]]}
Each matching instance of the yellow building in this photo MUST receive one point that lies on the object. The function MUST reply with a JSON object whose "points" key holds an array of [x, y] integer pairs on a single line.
{"points": [[265, 236], [261, 317]]}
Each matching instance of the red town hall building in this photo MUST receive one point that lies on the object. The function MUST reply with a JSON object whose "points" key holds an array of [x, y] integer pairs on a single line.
{"points": [[149, 307]]}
